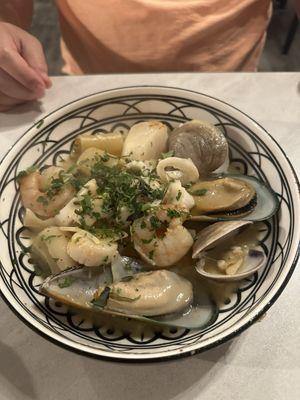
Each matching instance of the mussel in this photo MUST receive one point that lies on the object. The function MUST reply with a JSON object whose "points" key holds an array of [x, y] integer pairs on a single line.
{"points": [[227, 262], [128, 289], [229, 197]]}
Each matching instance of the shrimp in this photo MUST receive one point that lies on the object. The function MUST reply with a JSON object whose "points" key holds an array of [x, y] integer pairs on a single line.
{"points": [[32, 222], [90, 251], [160, 238], [34, 198], [179, 196]]}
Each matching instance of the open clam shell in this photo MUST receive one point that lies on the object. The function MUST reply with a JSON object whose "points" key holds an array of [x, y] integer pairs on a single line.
{"points": [[261, 207], [215, 234], [254, 260], [78, 287]]}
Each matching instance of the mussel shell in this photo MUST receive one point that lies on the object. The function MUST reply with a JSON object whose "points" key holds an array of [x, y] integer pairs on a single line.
{"points": [[261, 207], [86, 282]]}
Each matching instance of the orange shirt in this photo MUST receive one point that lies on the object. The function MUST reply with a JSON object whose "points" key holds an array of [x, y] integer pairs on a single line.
{"points": [[101, 36]]}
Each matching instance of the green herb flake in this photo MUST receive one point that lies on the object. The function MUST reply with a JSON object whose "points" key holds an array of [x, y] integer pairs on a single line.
{"points": [[26, 172], [39, 123], [45, 238], [145, 207], [43, 200], [151, 254], [172, 213], [116, 296], [127, 278], [147, 241], [200, 192], [105, 157], [143, 224], [168, 154], [66, 282], [155, 222], [179, 194]]}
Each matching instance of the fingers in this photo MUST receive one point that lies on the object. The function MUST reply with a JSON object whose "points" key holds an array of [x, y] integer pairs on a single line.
{"points": [[32, 52], [15, 65], [47, 81], [10, 87], [23, 68]]}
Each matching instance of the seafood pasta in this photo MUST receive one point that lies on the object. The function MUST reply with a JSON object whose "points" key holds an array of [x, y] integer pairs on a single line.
{"points": [[115, 225]]}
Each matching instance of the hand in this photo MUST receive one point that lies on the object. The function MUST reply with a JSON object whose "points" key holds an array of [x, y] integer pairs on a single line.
{"points": [[23, 68]]}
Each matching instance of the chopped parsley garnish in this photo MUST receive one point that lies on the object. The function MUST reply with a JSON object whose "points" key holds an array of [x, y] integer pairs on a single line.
{"points": [[43, 200], [116, 296], [66, 282], [120, 188], [26, 172], [172, 213], [178, 195], [105, 157], [39, 123], [46, 238], [151, 254], [200, 192], [127, 278], [143, 224], [58, 183], [147, 241], [155, 222], [168, 154]]}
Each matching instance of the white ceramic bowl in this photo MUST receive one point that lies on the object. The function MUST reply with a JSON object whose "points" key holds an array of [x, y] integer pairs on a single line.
{"points": [[252, 150]]}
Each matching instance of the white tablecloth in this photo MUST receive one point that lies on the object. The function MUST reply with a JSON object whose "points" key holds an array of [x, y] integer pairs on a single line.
{"points": [[262, 363]]}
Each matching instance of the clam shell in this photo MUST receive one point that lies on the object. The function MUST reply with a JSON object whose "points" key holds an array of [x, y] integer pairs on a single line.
{"points": [[255, 260], [201, 141], [216, 233]]}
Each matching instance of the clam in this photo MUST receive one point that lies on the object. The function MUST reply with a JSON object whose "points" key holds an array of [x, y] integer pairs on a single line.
{"points": [[201, 141], [222, 262], [128, 289], [229, 197]]}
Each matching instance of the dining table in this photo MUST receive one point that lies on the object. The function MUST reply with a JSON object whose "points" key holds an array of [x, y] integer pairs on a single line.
{"points": [[263, 362]]}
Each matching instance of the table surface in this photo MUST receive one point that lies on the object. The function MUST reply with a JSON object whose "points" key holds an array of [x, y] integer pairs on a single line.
{"points": [[263, 362]]}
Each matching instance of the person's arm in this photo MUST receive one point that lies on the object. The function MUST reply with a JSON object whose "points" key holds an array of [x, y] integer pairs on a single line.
{"points": [[23, 68]]}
